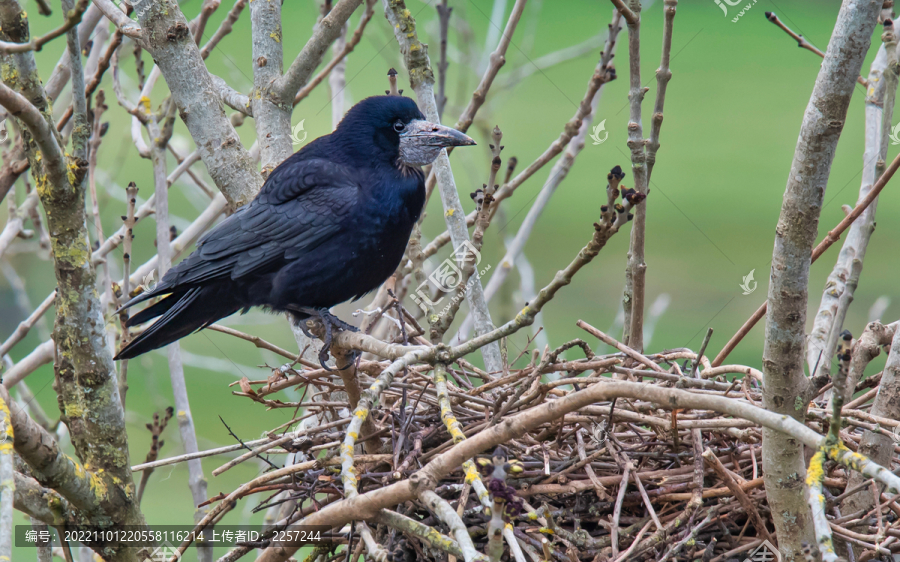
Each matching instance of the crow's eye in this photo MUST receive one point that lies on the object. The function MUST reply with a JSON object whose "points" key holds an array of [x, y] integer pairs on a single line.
{"points": [[399, 126]]}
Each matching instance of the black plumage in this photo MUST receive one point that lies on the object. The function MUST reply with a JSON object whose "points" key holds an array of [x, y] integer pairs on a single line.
{"points": [[330, 224]]}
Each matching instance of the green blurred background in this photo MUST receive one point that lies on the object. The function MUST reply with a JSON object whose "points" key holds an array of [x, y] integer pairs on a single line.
{"points": [[732, 116]]}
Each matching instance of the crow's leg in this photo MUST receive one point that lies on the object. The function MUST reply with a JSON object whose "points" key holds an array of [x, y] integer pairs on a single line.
{"points": [[331, 323]]}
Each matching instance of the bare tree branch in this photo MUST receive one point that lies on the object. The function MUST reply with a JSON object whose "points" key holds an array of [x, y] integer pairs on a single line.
{"points": [[40, 503], [40, 355], [337, 79], [604, 73], [833, 236], [626, 12], [339, 57], [663, 75], [841, 284], [421, 79], [124, 24], [448, 515], [25, 326], [170, 43], [7, 482], [196, 480], [54, 468], [15, 224], [785, 384], [876, 446], [73, 18], [326, 32], [496, 62], [803, 43], [272, 116], [62, 73], [224, 29], [635, 270]]}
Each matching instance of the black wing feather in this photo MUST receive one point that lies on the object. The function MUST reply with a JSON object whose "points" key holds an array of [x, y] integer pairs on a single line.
{"points": [[303, 204]]}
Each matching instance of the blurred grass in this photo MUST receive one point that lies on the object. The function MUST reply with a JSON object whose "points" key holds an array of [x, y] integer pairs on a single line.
{"points": [[732, 115]]}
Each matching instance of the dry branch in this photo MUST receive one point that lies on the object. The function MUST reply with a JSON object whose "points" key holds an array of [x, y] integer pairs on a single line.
{"points": [[421, 79], [785, 383], [803, 43], [7, 482], [560, 169], [85, 373], [841, 283], [171, 44], [833, 236]]}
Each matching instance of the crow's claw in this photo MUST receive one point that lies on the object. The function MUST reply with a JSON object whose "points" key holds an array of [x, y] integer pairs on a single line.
{"points": [[323, 358], [352, 357], [307, 333], [331, 323]]}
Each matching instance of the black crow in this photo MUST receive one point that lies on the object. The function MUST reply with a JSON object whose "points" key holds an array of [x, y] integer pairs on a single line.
{"points": [[330, 224]]}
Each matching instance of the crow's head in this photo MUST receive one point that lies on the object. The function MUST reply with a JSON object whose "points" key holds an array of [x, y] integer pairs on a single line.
{"points": [[391, 129]]}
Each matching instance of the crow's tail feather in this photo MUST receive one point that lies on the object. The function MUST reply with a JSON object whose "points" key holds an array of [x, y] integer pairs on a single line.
{"points": [[181, 313]]}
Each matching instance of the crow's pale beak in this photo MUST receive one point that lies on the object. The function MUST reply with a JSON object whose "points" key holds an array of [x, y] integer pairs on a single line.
{"points": [[424, 133]]}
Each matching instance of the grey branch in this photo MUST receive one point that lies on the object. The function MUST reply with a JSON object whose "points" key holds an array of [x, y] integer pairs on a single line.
{"points": [[7, 482], [785, 383], [232, 98], [663, 75], [421, 79], [62, 72], [15, 223], [196, 480], [803, 43], [449, 517], [585, 113], [339, 57], [496, 62], [633, 299], [38, 502], [40, 355], [54, 468], [73, 18], [876, 446], [125, 24], [171, 44], [272, 114], [841, 284], [327, 31]]}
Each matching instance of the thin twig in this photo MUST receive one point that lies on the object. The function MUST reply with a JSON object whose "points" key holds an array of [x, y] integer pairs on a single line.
{"points": [[803, 43]]}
